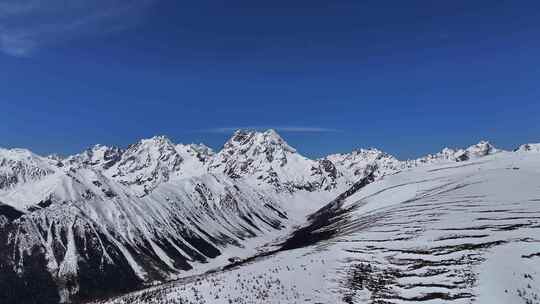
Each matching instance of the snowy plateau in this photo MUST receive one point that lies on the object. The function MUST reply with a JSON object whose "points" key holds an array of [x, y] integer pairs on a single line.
{"points": [[257, 222]]}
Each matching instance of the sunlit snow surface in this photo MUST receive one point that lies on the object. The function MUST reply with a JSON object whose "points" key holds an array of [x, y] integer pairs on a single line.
{"points": [[465, 232]]}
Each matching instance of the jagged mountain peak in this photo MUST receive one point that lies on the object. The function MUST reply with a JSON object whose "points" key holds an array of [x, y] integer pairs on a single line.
{"points": [[156, 140], [251, 139], [99, 156], [483, 146], [157, 147], [266, 158], [353, 165], [146, 164], [17, 156], [21, 165], [250, 152], [480, 149], [16, 153], [370, 152], [358, 159]]}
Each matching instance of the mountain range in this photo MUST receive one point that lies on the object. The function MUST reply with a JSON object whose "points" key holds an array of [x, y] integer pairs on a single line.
{"points": [[112, 220]]}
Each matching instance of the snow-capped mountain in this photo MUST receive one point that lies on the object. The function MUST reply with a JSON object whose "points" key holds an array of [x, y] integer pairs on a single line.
{"points": [[147, 163], [18, 166], [268, 159], [352, 166], [109, 220], [98, 156], [482, 148], [529, 148], [87, 235]]}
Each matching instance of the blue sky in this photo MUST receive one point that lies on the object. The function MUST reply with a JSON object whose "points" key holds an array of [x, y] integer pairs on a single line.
{"points": [[409, 77]]}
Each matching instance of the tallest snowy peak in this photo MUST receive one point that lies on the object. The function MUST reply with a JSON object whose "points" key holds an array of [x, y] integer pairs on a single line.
{"points": [[154, 148], [260, 154], [261, 141], [159, 140]]}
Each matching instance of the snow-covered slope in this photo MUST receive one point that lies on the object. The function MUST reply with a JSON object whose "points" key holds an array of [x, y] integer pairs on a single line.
{"points": [[463, 232]]}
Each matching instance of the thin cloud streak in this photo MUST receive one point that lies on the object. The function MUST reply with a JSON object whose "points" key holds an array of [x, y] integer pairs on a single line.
{"points": [[27, 26], [289, 129]]}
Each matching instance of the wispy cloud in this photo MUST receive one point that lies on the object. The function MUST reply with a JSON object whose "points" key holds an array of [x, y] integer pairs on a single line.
{"points": [[291, 129], [27, 25]]}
